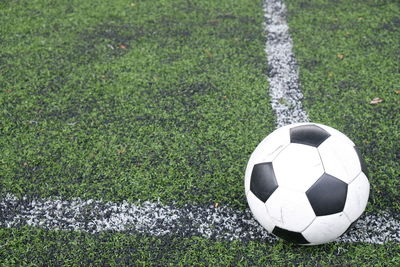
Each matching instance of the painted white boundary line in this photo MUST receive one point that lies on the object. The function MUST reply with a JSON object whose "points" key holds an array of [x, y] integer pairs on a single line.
{"points": [[222, 223], [283, 70], [286, 99]]}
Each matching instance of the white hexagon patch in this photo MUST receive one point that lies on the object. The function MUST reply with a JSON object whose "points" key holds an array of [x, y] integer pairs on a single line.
{"points": [[259, 211], [326, 228], [290, 210], [340, 159], [298, 167], [357, 197]]}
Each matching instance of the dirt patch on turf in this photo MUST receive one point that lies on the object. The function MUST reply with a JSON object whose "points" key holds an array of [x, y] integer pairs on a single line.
{"points": [[310, 64], [392, 26], [107, 41]]}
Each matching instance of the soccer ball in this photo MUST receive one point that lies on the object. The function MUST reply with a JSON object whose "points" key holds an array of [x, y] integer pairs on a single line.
{"points": [[306, 183]]}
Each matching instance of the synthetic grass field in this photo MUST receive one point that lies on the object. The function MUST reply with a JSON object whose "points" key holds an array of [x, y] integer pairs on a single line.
{"points": [[165, 101]]}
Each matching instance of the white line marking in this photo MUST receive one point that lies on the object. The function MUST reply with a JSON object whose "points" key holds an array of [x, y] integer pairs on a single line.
{"points": [[283, 74], [222, 223], [286, 99]]}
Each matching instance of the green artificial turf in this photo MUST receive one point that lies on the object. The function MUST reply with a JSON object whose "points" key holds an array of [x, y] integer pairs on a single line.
{"points": [[349, 54], [32, 245], [129, 100]]}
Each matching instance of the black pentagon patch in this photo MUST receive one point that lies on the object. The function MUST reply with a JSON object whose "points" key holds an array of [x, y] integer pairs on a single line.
{"points": [[311, 135], [263, 182], [362, 162], [290, 236], [327, 195]]}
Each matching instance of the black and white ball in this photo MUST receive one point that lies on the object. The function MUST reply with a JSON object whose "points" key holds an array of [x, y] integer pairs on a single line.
{"points": [[306, 183]]}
